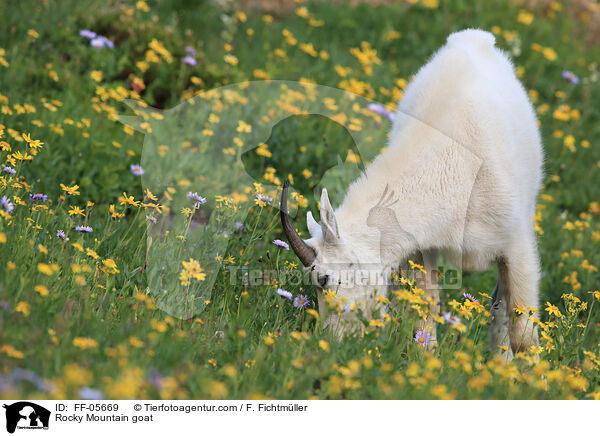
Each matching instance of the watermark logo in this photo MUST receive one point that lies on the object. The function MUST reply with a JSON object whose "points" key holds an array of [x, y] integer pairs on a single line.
{"points": [[25, 415], [199, 188]]}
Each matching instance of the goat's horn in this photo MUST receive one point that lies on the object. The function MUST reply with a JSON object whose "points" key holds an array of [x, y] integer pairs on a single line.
{"points": [[304, 252]]}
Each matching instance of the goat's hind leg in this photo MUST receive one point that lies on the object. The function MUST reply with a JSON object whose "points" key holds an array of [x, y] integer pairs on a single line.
{"points": [[499, 320], [521, 289]]}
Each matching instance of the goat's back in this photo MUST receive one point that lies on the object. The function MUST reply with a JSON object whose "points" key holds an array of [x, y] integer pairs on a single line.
{"points": [[469, 91]]}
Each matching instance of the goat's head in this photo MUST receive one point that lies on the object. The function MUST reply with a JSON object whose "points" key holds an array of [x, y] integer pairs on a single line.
{"points": [[348, 267]]}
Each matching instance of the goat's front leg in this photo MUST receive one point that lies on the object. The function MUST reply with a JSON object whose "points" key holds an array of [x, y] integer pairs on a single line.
{"points": [[499, 320], [432, 292]]}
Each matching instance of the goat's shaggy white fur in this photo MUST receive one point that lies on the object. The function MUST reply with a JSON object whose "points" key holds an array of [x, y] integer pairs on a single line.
{"points": [[464, 161]]}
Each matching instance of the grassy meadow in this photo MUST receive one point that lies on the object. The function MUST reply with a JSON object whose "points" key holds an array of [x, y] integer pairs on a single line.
{"points": [[78, 202]]}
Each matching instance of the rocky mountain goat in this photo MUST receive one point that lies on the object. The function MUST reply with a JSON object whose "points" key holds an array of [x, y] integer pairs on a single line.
{"points": [[459, 177]]}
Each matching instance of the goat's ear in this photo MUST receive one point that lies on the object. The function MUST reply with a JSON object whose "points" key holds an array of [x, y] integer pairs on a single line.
{"points": [[313, 227], [329, 225]]}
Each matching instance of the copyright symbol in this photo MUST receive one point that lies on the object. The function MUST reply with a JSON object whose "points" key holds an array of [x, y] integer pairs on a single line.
{"points": [[137, 407]]}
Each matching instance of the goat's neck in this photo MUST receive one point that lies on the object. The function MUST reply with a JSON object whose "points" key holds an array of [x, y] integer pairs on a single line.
{"points": [[419, 177]]}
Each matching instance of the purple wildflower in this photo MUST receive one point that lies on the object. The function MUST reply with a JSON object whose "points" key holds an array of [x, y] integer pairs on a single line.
{"points": [[152, 219], [97, 42], [264, 198], [286, 294], [19, 374], [101, 42], [6, 204], [570, 76], [189, 60], [198, 200], [4, 306], [136, 169], [451, 319], [423, 337], [82, 229], [240, 226], [38, 197], [381, 110], [9, 170], [190, 50], [281, 244], [155, 378], [87, 34], [301, 301], [61, 234], [87, 393], [470, 297]]}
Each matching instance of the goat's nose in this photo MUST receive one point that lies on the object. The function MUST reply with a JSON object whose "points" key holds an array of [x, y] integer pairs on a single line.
{"points": [[322, 280]]}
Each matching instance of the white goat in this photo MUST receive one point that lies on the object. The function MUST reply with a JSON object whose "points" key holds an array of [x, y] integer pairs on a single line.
{"points": [[464, 162]]}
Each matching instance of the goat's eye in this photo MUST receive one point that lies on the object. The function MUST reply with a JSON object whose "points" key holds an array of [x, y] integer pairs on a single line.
{"points": [[323, 280]]}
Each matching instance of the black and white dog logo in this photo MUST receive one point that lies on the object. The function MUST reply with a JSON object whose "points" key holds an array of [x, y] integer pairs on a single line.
{"points": [[26, 415]]}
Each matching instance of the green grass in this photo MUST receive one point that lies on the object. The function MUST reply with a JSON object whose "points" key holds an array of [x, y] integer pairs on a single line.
{"points": [[247, 342]]}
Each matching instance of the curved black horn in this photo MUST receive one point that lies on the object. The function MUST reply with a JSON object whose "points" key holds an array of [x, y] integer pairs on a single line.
{"points": [[304, 252]]}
